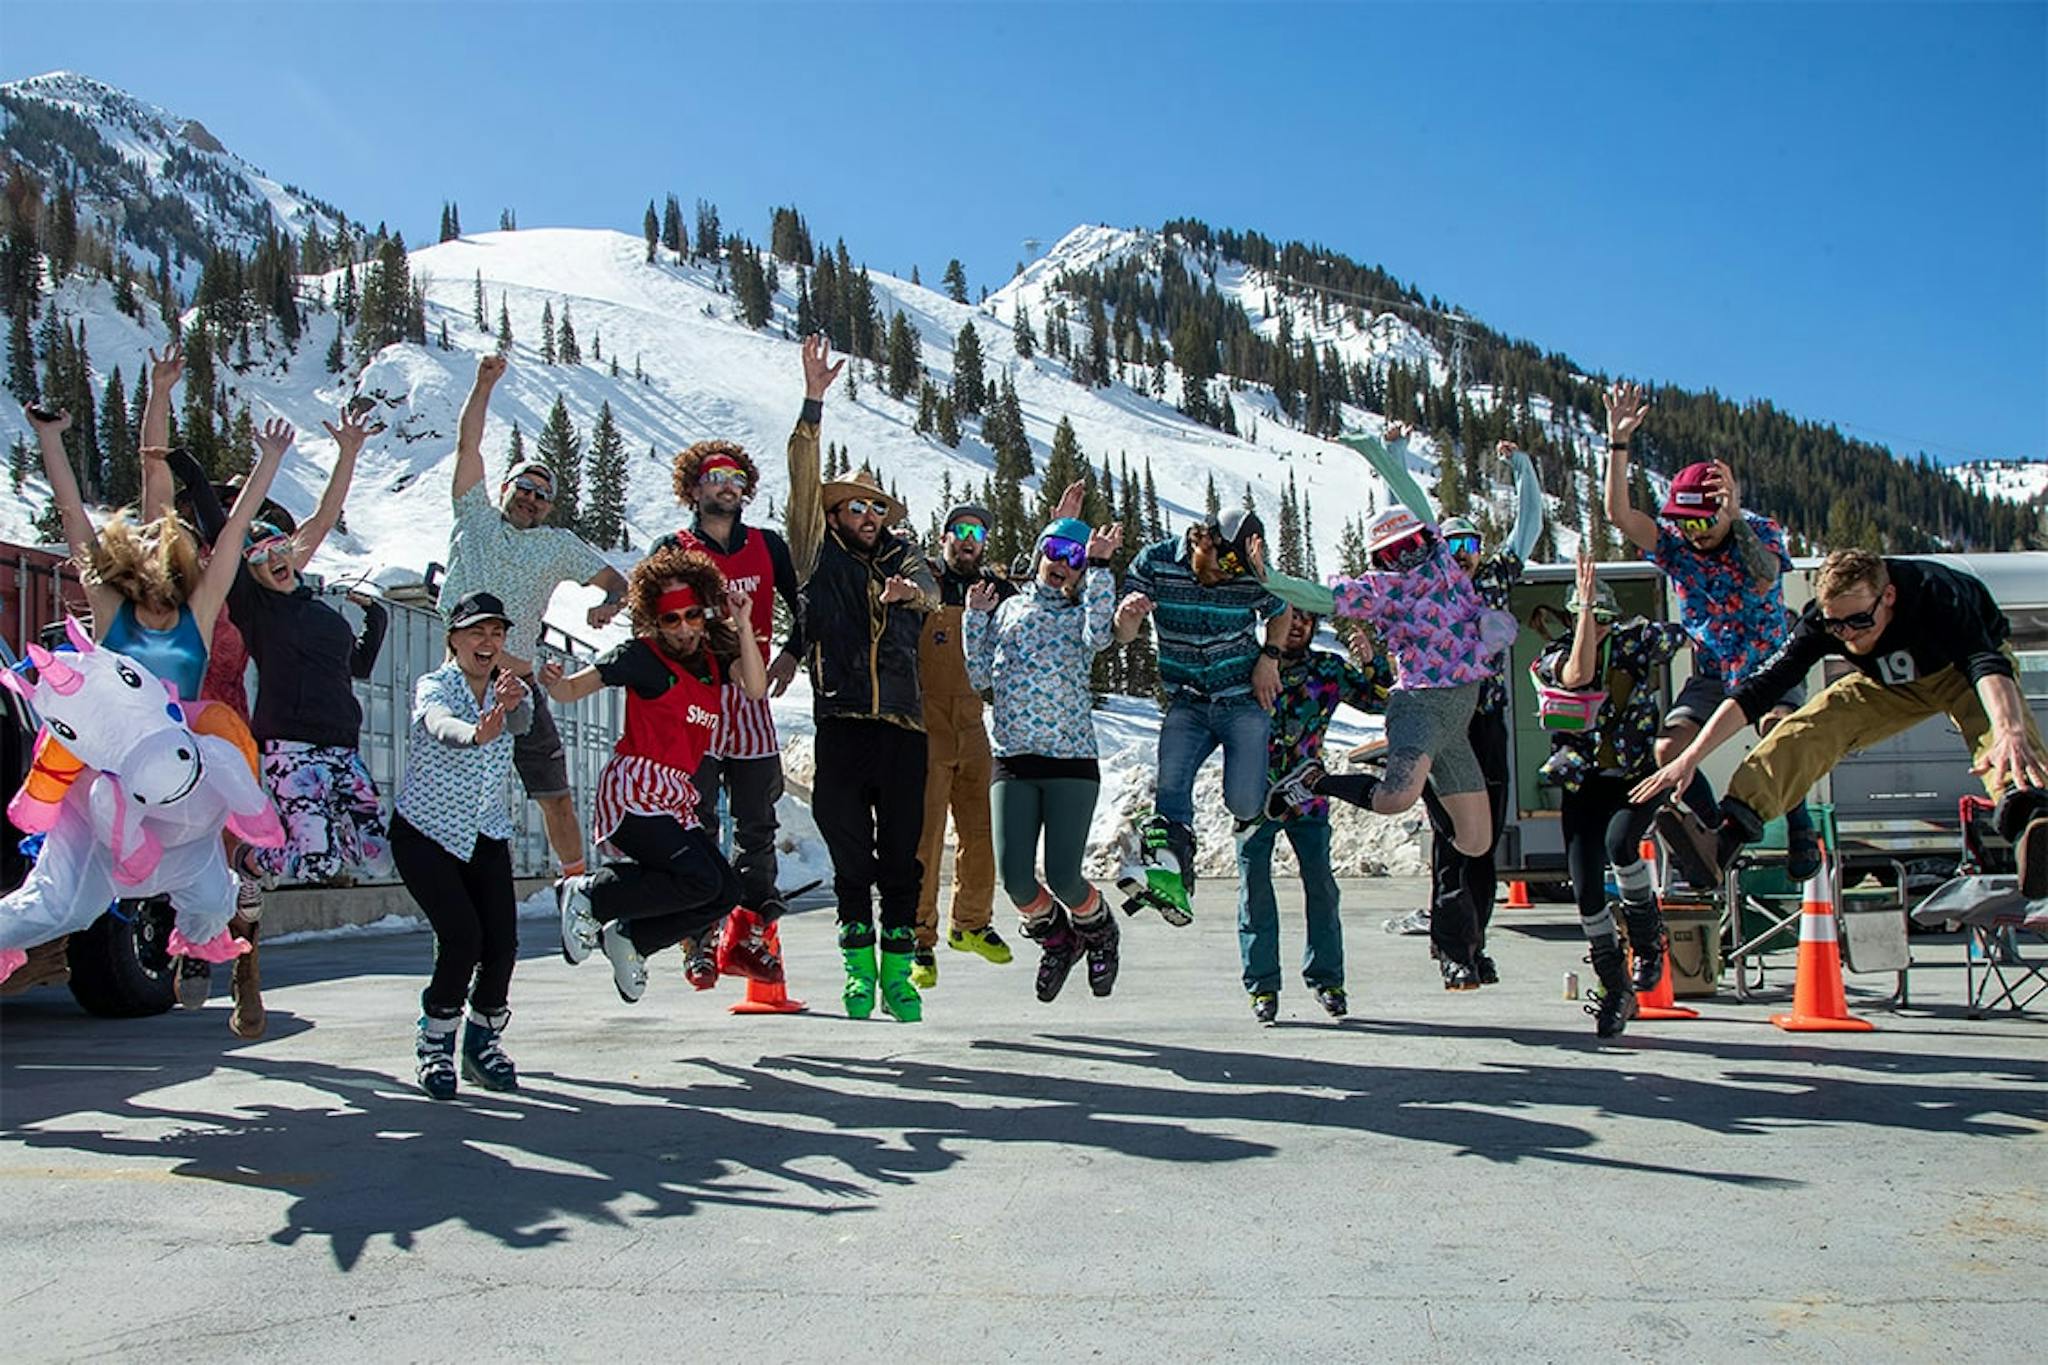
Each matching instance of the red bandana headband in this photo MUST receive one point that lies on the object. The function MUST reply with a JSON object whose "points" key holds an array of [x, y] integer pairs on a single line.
{"points": [[719, 461], [677, 599]]}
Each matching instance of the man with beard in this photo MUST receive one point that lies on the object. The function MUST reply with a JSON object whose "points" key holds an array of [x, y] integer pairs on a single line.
{"points": [[958, 764], [1206, 599], [504, 548], [744, 761], [865, 595]]}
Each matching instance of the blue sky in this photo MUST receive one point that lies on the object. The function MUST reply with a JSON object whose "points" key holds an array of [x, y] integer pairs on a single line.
{"points": [[1841, 208]]}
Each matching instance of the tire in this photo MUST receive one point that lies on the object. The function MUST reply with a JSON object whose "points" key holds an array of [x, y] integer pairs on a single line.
{"points": [[119, 967]]}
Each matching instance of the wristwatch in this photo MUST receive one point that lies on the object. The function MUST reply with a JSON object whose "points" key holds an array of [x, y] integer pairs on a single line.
{"points": [[1270, 651]]}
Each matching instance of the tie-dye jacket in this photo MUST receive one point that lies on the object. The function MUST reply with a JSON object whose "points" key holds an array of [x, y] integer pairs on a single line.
{"points": [[1037, 650]]}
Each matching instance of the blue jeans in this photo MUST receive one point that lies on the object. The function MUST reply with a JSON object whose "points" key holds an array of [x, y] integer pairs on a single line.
{"points": [[1192, 730], [1258, 917]]}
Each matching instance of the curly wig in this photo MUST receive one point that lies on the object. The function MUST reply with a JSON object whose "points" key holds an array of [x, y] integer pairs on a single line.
{"points": [[688, 462], [152, 565], [674, 564]]}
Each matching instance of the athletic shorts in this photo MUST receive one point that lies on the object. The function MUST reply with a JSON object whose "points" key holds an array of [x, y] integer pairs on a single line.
{"points": [[538, 756], [1703, 694], [1437, 721]]}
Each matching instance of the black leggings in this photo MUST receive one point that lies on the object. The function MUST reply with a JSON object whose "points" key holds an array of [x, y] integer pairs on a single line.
{"points": [[678, 885], [474, 914], [1464, 887], [1601, 829]]}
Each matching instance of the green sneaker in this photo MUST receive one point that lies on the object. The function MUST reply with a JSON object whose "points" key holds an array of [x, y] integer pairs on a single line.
{"points": [[857, 946], [985, 942], [899, 995], [924, 968]]}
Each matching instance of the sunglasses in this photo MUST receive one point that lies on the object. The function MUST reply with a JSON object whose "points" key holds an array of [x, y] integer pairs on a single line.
{"points": [[540, 489], [1850, 624], [1604, 616], [866, 507], [688, 615], [1693, 526], [969, 530], [1463, 544], [1071, 553], [264, 551], [736, 477]]}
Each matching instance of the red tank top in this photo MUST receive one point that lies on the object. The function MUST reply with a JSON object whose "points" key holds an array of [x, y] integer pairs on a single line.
{"points": [[675, 728], [751, 570]]}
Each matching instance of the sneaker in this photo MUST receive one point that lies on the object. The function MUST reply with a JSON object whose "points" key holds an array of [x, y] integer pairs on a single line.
{"points": [[1692, 846], [1489, 975], [1295, 790], [629, 969], [1265, 1007], [1414, 922], [2031, 853], [1333, 1000], [1458, 976], [579, 924], [195, 982], [1802, 855], [985, 942], [924, 968]]}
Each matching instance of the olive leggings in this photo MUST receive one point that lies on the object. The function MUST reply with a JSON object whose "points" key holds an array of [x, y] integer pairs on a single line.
{"points": [[1061, 807]]}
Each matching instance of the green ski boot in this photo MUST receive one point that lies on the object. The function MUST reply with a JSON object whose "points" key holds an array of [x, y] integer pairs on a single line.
{"points": [[899, 996], [857, 945]]}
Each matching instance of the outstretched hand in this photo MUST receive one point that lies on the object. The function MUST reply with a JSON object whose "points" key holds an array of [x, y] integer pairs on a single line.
{"points": [[275, 439], [1070, 501], [1398, 432], [818, 371], [357, 426], [2012, 762], [55, 425], [982, 596], [1626, 408], [167, 369], [1674, 776], [1105, 541], [489, 370]]}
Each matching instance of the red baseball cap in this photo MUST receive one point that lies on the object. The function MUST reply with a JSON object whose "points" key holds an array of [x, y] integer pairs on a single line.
{"points": [[1691, 495]]}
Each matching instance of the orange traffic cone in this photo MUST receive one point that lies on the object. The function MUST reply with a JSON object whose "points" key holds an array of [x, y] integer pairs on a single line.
{"points": [[768, 999], [1518, 896], [1818, 1005], [1661, 1003]]}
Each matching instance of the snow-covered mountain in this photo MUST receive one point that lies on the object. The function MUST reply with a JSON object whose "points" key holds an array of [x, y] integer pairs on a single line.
{"points": [[2022, 481], [150, 179]]}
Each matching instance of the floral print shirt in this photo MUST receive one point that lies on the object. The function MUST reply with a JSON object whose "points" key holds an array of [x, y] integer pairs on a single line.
{"points": [[1623, 740]]}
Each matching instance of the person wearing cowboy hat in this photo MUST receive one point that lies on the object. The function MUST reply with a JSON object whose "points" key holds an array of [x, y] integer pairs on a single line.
{"points": [[865, 595]]}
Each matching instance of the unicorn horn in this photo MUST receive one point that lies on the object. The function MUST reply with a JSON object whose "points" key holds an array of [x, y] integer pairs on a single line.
{"points": [[62, 677], [80, 640]]}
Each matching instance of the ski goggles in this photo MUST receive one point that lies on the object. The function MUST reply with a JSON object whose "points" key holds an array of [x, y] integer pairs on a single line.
{"points": [[1463, 543], [1405, 553], [723, 475], [1853, 623], [1692, 526], [1071, 553], [971, 531]]}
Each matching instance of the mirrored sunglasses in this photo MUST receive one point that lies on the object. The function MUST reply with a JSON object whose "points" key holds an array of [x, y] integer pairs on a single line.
{"points": [[1850, 624], [1463, 544], [1071, 553], [540, 488], [969, 530], [736, 477], [263, 551], [865, 507]]}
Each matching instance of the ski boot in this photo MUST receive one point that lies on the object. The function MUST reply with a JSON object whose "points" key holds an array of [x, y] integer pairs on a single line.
{"points": [[1059, 949], [1647, 941], [434, 1049], [1164, 879], [1095, 929], [1334, 1001], [899, 997], [1616, 1004], [743, 948], [484, 1062], [924, 967], [1266, 1007], [857, 946]]}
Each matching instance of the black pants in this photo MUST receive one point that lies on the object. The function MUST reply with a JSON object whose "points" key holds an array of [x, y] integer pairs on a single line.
{"points": [[1601, 829], [868, 800], [1464, 887], [474, 914], [752, 787], [678, 885]]}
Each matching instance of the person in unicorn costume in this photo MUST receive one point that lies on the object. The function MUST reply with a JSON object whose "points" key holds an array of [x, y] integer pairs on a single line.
{"points": [[149, 821]]}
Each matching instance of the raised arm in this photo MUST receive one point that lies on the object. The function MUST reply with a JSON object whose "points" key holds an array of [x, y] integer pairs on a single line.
{"points": [[805, 525], [164, 373], [356, 427], [219, 577], [748, 667], [1582, 665], [1759, 560], [1389, 459], [79, 534], [1626, 409], [208, 516], [469, 431]]}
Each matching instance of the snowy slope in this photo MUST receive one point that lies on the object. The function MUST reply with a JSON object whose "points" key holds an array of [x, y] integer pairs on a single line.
{"points": [[2012, 480]]}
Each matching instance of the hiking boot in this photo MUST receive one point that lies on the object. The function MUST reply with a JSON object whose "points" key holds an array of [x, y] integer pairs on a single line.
{"points": [[1335, 1003], [1266, 1007], [245, 985], [195, 982], [985, 942], [1059, 949], [1295, 790], [629, 969], [1458, 976], [484, 1061], [433, 1049], [899, 995], [1099, 939], [579, 924], [1414, 922], [2031, 855], [1488, 974], [924, 967], [743, 949], [857, 947], [1615, 1005]]}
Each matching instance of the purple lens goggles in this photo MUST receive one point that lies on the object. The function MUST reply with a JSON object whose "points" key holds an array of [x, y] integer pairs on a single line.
{"points": [[1071, 553]]}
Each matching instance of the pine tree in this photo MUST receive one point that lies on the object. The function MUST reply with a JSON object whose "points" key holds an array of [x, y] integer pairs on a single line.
{"points": [[905, 361], [1155, 526], [547, 333], [707, 229], [504, 327], [1211, 503], [515, 451], [968, 385], [955, 280], [1063, 464], [1291, 561], [508, 220], [560, 447], [927, 409], [451, 223], [63, 237], [1020, 333], [672, 226], [483, 323], [1098, 366], [21, 353], [20, 459], [650, 226], [566, 349], [948, 422], [604, 521], [117, 442]]}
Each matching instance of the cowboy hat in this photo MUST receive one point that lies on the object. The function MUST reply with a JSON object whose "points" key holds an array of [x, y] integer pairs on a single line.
{"points": [[863, 484]]}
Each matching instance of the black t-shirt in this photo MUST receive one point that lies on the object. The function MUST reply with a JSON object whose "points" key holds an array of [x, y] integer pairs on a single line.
{"points": [[635, 664], [1940, 619], [306, 655]]}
